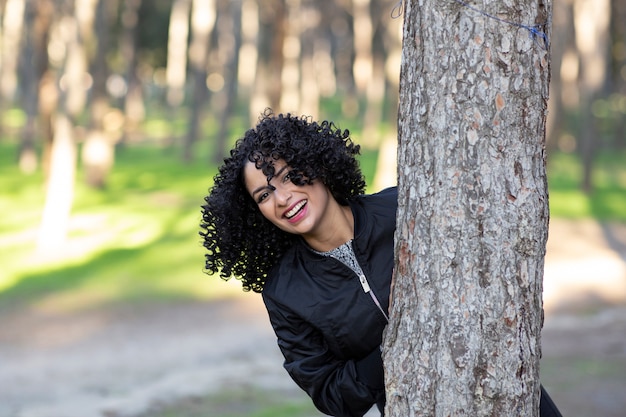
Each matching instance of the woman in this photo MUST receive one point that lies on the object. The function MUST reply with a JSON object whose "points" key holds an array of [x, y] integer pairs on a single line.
{"points": [[288, 217]]}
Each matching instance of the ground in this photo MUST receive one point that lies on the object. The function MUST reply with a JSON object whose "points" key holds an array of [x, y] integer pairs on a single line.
{"points": [[131, 360]]}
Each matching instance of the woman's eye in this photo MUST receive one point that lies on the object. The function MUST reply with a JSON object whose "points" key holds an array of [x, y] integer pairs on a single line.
{"points": [[262, 197], [290, 176]]}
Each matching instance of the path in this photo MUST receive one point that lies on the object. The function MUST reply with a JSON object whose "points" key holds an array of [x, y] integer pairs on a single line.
{"points": [[120, 363]]}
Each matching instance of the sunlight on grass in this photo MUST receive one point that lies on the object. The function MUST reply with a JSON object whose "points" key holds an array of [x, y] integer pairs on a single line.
{"points": [[13, 118], [137, 240], [607, 201], [569, 204]]}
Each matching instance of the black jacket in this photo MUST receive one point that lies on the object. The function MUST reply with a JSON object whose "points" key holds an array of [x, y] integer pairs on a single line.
{"points": [[329, 329]]}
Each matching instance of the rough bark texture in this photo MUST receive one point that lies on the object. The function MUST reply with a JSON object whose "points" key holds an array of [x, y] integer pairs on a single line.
{"points": [[466, 314]]}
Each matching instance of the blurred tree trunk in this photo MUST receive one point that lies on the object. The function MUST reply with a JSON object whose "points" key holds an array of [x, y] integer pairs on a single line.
{"points": [[71, 65], [309, 88], [12, 23], [177, 44], [591, 18], [363, 37], [98, 151], [267, 88], [202, 23], [562, 42], [618, 36], [47, 91], [230, 42], [344, 53], [323, 57], [134, 109], [391, 43], [290, 75], [367, 69], [386, 163], [30, 74], [48, 101], [248, 53], [466, 313]]}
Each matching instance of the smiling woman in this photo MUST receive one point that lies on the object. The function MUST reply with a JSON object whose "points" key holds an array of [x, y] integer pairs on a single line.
{"points": [[308, 210], [287, 216], [240, 240]]}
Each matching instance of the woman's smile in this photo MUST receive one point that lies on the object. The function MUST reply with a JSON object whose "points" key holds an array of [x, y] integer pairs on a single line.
{"points": [[296, 212], [308, 210]]}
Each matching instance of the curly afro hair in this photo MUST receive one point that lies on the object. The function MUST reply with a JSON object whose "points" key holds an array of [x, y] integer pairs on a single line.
{"points": [[240, 242]]}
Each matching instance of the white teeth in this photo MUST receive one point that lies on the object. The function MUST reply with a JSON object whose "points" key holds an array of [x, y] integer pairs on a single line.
{"points": [[295, 209]]}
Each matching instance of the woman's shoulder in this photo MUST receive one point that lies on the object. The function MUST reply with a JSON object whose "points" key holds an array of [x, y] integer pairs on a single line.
{"points": [[385, 200], [389, 193], [279, 275]]}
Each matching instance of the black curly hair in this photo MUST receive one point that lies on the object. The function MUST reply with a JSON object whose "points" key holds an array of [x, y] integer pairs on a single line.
{"points": [[240, 242]]}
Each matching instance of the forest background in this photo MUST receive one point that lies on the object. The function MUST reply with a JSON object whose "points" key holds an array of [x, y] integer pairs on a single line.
{"points": [[114, 115]]}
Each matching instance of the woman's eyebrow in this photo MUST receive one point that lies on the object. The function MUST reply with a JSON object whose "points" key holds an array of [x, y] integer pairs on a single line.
{"points": [[261, 188], [264, 187], [281, 171]]}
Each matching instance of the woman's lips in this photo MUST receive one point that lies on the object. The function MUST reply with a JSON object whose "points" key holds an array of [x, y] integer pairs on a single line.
{"points": [[294, 210]]}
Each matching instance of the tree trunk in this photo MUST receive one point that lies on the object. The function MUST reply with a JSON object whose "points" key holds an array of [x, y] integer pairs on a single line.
{"points": [[363, 36], [249, 51], [309, 87], [48, 93], [562, 40], [11, 37], [98, 151], [61, 180], [134, 109], [618, 37], [466, 313], [591, 19], [230, 35], [290, 100], [343, 53], [202, 23], [11, 23], [29, 79], [176, 71], [267, 88]]}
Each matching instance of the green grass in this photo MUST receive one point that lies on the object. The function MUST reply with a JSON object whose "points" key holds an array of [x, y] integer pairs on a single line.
{"points": [[239, 402], [607, 201], [135, 240], [138, 240]]}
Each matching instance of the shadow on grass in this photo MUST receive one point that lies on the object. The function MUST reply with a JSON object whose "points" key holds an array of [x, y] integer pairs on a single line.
{"points": [[239, 402], [169, 267]]}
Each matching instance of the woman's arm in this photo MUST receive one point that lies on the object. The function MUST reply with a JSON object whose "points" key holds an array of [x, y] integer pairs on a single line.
{"points": [[345, 387]]}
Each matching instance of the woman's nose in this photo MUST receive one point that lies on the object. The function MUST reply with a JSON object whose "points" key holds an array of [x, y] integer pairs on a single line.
{"points": [[283, 195]]}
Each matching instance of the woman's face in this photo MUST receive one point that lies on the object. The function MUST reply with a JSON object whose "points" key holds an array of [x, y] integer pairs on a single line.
{"points": [[297, 209]]}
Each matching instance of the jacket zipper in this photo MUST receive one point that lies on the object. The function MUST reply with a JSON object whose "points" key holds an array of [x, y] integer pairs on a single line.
{"points": [[367, 289]]}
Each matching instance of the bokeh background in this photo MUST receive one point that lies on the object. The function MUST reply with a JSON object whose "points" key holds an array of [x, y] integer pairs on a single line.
{"points": [[114, 116]]}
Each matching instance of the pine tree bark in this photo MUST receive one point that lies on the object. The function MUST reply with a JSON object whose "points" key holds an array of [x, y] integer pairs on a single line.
{"points": [[466, 313]]}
